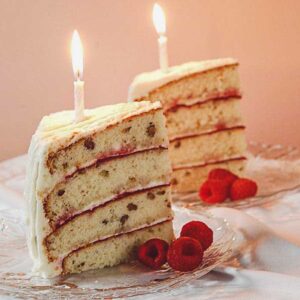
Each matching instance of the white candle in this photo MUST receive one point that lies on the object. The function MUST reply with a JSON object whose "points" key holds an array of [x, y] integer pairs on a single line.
{"points": [[159, 22], [77, 63], [163, 53], [79, 100]]}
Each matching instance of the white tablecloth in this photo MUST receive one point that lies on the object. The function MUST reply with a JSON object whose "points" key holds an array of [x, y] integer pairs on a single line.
{"points": [[269, 236]]}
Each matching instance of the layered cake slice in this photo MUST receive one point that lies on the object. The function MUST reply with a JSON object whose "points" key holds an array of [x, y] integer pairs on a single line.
{"points": [[97, 189], [201, 101]]}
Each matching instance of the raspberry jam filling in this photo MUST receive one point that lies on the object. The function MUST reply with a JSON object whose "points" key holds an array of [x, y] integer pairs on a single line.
{"points": [[208, 163], [192, 99], [125, 151], [66, 218], [217, 130]]}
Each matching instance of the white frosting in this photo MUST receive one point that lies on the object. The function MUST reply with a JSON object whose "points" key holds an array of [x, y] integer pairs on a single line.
{"points": [[54, 131], [146, 82], [59, 130], [61, 125]]}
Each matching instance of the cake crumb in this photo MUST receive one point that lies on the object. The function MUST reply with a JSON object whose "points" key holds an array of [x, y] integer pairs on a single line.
{"points": [[151, 129], [89, 144], [174, 181], [161, 192], [177, 144], [60, 192], [126, 130], [131, 207], [104, 173], [123, 219], [150, 196]]}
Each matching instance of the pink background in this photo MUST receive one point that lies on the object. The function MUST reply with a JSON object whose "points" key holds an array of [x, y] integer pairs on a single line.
{"points": [[119, 42]]}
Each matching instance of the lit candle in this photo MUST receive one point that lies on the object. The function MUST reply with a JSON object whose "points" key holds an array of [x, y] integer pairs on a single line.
{"points": [[159, 22], [77, 62]]}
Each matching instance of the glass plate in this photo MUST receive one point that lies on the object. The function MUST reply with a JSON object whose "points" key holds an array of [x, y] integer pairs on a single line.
{"points": [[275, 168], [122, 281]]}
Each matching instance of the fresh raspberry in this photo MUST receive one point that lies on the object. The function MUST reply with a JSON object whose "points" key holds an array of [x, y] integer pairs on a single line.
{"points": [[185, 254], [199, 231], [222, 174], [153, 253], [214, 191], [243, 188]]}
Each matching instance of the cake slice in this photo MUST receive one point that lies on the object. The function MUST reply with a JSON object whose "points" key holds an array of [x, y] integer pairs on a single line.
{"points": [[201, 101], [97, 189]]}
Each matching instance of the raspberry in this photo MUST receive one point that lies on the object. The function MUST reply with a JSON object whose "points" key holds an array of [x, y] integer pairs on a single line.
{"points": [[153, 253], [243, 188], [185, 254], [214, 191], [199, 231], [222, 174]]}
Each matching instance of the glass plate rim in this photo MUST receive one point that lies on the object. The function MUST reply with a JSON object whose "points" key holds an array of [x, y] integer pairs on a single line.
{"points": [[155, 286]]}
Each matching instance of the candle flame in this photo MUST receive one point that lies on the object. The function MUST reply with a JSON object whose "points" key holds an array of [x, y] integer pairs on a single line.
{"points": [[77, 55], [159, 19]]}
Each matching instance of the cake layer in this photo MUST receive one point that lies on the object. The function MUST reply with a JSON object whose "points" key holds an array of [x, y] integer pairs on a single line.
{"points": [[104, 180], [222, 81], [115, 250], [106, 132], [138, 132], [203, 117], [146, 82], [190, 179], [123, 214], [218, 145]]}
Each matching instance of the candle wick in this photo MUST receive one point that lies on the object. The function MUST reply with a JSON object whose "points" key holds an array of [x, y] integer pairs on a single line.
{"points": [[78, 76]]}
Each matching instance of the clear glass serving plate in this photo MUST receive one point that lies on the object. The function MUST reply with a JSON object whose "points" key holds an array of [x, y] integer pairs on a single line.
{"points": [[123, 281], [275, 168]]}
